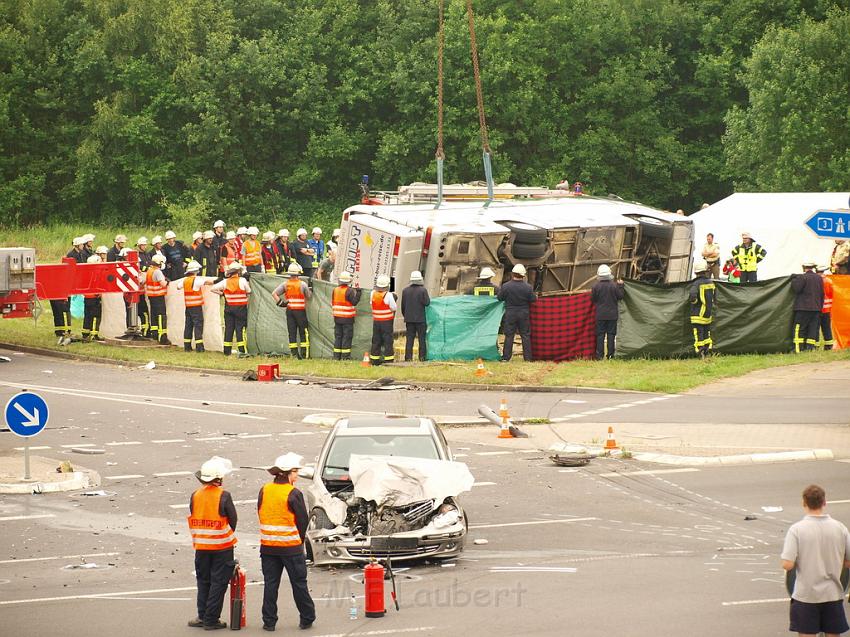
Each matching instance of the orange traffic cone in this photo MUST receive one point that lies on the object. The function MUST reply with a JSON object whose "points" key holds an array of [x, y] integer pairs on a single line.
{"points": [[611, 444], [504, 430], [366, 362], [479, 370]]}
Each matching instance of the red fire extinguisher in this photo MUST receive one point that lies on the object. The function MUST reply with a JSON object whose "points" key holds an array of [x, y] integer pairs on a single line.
{"points": [[373, 578], [237, 599]]}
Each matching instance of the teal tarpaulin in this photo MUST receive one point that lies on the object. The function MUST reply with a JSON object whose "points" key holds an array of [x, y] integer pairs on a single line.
{"points": [[463, 328]]}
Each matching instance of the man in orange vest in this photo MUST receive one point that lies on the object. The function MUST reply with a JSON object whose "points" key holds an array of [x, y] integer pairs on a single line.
{"points": [[344, 307], [156, 287], [193, 296], [235, 290], [293, 295], [229, 252], [383, 314], [826, 312], [252, 251], [212, 523], [283, 525]]}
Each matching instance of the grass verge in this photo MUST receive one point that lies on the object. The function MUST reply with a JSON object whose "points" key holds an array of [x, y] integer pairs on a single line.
{"points": [[668, 376]]}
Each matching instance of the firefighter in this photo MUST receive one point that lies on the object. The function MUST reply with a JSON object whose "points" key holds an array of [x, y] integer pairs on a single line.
{"points": [[414, 300], [193, 296], [61, 308], [318, 247], [303, 253], [144, 264], [77, 251], [283, 525], [235, 289], [808, 305], [252, 251], [701, 297], [207, 255], [114, 253], [485, 286], [268, 253], [518, 297], [228, 253], [219, 237], [333, 244], [93, 308], [605, 295], [284, 250], [157, 246], [196, 241], [293, 295], [88, 246], [748, 254], [212, 523], [156, 287], [176, 254], [383, 314], [241, 236], [826, 338], [344, 307]]}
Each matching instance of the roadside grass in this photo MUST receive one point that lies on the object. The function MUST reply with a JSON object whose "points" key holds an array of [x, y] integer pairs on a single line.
{"points": [[667, 376]]}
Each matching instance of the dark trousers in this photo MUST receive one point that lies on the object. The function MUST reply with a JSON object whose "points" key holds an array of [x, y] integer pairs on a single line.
{"points": [[415, 331], [144, 315], [194, 326], [159, 319], [61, 316], [213, 570], [826, 330], [749, 277], [343, 335], [296, 570], [605, 330], [382, 342], [92, 311], [702, 339], [235, 325], [517, 321], [299, 339], [806, 330]]}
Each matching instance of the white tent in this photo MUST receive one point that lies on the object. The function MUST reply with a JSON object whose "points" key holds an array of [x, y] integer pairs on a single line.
{"points": [[776, 220]]}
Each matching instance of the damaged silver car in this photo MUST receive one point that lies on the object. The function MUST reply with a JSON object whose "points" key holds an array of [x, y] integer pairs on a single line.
{"points": [[382, 487]]}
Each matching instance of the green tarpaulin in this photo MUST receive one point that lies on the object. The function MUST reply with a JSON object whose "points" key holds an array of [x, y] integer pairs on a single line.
{"points": [[752, 318], [463, 328], [267, 332]]}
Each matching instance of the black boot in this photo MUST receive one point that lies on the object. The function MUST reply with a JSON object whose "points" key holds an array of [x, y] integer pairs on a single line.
{"points": [[199, 347]]}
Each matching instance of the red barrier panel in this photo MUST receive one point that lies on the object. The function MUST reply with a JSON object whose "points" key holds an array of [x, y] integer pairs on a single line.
{"points": [[563, 327]]}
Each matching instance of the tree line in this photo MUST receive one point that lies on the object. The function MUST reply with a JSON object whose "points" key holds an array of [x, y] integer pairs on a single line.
{"points": [[261, 110]]}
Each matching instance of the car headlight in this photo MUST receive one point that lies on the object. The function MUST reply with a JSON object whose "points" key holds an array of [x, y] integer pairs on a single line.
{"points": [[447, 515]]}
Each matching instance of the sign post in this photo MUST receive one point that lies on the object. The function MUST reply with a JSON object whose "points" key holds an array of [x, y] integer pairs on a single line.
{"points": [[26, 415], [830, 224]]}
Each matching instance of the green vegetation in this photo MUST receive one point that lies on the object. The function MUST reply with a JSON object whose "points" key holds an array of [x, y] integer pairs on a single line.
{"points": [[176, 112], [669, 376]]}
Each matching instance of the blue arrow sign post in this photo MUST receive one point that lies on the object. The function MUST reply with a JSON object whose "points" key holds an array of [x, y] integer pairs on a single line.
{"points": [[26, 415], [830, 224]]}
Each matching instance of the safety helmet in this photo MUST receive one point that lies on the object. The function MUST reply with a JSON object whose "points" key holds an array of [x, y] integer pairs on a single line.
{"points": [[78, 241], [283, 232], [120, 238], [193, 266], [88, 238], [214, 469], [345, 277], [143, 241], [416, 277], [230, 235], [209, 234], [242, 230], [268, 235], [486, 273], [603, 271], [94, 259], [809, 263], [101, 250], [317, 229], [746, 235], [519, 269], [156, 239], [234, 266], [294, 269], [700, 265], [218, 224], [170, 235], [197, 235], [287, 462], [300, 232], [253, 230], [159, 259], [382, 282], [335, 234]]}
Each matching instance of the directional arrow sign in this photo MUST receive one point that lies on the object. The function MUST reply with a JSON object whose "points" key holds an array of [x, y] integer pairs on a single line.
{"points": [[26, 414], [830, 224]]}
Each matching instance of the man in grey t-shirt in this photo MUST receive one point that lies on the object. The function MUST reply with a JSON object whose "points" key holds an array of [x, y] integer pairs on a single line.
{"points": [[817, 548]]}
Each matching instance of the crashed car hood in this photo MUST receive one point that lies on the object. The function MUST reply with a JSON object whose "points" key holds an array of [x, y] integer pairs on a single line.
{"points": [[398, 481]]}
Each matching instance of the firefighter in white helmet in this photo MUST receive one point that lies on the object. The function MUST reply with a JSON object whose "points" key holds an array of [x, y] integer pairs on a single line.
{"points": [[193, 296], [196, 241], [228, 253], [271, 261], [317, 245], [88, 246], [219, 237], [333, 244], [383, 315], [252, 255], [144, 264], [114, 253], [156, 287], [485, 286], [235, 290], [241, 236], [176, 256], [517, 296], [605, 295], [284, 250], [293, 294], [303, 252], [344, 302], [207, 255]]}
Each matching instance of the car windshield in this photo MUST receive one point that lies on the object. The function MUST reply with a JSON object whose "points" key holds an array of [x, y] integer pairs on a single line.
{"points": [[339, 456]]}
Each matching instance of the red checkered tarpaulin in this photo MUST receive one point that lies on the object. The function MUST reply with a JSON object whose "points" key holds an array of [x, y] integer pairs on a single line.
{"points": [[563, 327]]}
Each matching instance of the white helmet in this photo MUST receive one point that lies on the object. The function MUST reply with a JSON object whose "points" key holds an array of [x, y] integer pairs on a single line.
{"points": [[94, 259], [120, 238], [159, 259], [345, 277], [143, 241], [519, 269], [87, 238], [156, 239], [746, 235], [218, 224], [230, 235], [170, 235], [287, 462], [193, 266], [242, 230], [416, 276], [336, 233], [382, 282], [603, 271], [197, 235], [234, 266], [209, 234], [294, 269], [487, 273], [809, 263], [268, 236], [101, 250], [214, 469], [78, 241], [700, 265], [317, 229], [253, 230], [283, 232], [300, 232]]}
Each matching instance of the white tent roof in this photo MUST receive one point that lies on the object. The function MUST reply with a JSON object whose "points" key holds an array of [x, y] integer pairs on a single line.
{"points": [[776, 221]]}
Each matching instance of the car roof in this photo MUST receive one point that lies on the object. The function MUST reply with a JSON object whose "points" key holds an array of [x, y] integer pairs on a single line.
{"points": [[368, 425]]}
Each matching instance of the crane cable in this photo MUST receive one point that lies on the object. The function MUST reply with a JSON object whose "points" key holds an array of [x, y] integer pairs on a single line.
{"points": [[440, 154], [479, 96]]}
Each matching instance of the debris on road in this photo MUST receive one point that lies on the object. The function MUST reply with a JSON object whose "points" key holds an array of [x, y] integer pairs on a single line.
{"points": [[565, 454], [100, 493], [493, 417], [480, 541], [91, 451], [148, 365], [5, 359], [64, 467]]}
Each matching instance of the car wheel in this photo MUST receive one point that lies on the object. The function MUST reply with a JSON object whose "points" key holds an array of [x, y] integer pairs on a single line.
{"points": [[525, 232], [528, 250], [319, 520]]}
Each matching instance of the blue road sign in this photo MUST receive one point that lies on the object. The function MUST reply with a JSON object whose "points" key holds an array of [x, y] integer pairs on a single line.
{"points": [[830, 224], [26, 414]]}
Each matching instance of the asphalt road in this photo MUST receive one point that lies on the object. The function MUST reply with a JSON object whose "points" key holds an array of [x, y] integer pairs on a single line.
{"points": [[600, 550]]}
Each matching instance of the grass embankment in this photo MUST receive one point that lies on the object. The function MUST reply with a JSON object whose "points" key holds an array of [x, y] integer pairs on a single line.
{"points": [[669, 376]]}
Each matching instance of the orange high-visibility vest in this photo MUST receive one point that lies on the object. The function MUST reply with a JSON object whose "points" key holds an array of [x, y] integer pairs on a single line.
{"points": [[210, 530], [827, 295], [380, 310], [277, 522], [233, 292], [252, 250], [340, 305], [155, 288], [192, 297], [229, 254], [294, 295]]}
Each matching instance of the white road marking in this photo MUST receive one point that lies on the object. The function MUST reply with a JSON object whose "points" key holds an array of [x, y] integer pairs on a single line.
{"points": [[211, 438], [296, 433], [533, 569], [240, 436], [12, 518], [529, 451], [530, 523], [745, 602], [127, 477], [483, 484], [837, 501], [168, 474], [492, 453], [34, 448], [461, 455], [112, 594], [615, 474], [123, 444], [389, 631], [56, 557], [150, 599], [169, 440]]}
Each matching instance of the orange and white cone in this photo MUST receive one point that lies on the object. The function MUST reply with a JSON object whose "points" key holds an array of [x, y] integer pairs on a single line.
{"points": [[611, 444], [504, 430], [366, 362], [479, 370]]}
